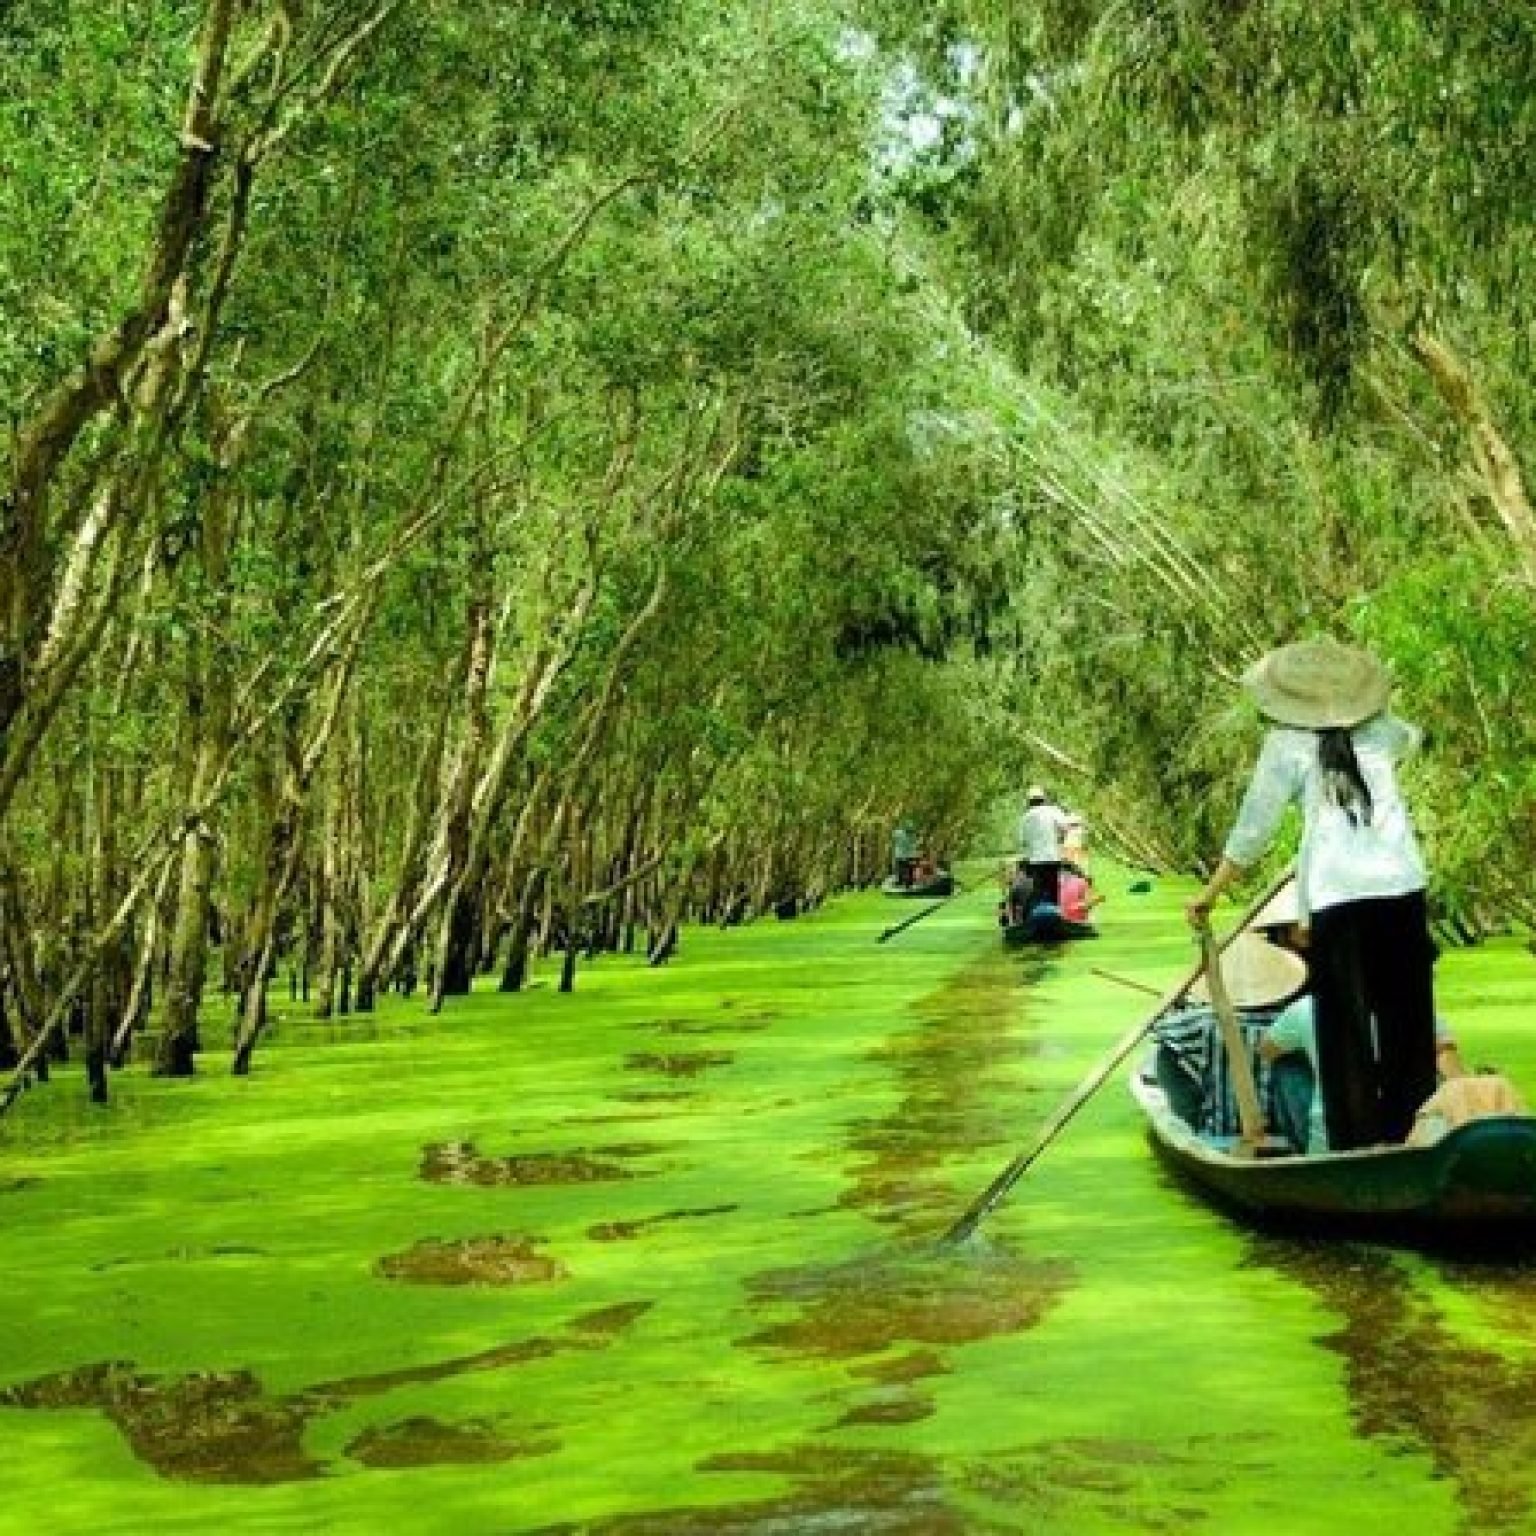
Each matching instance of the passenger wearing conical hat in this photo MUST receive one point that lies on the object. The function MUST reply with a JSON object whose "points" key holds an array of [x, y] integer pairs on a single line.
{"points": [[1332, 750], [1258, 974], [1191, 1063]]}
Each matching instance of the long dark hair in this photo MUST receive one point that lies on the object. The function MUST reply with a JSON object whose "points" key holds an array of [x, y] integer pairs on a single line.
{"points": [[1343, 781]]}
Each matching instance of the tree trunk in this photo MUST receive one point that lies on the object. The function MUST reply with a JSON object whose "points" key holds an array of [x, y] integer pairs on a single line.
{"points": [[176, 1056]]}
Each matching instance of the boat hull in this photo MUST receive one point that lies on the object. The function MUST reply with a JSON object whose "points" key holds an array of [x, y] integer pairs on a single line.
{"points": [[1053, 930], [1477, 1183], [943, 885]]}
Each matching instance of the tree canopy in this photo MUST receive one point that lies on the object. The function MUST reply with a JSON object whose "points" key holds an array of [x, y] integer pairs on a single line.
{"points": [[484, 477]]}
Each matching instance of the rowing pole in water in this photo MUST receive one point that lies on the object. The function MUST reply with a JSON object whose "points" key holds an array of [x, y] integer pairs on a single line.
{"points": [[993, 1194], [890, 933]]}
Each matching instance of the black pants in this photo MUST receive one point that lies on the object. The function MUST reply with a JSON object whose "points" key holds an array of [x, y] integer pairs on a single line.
{"points": [[1371, 977], [1046, 879]]}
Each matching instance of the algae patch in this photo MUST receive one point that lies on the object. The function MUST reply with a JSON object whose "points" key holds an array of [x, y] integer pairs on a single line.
{"points": [[960, 1090], [952, 1072], [624, 1231], [223, 1427], [460, 1162], [214, 1427], [473, 1261], [426, 1442], [1056, 1482], [678, 1063], [864, 1307]]}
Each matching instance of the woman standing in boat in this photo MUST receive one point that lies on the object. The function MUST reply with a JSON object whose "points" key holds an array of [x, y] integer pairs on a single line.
{"points": [[1332, 749]]}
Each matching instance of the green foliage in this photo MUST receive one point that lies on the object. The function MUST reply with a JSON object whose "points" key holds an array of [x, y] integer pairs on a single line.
{"points": [[1207, 242]]}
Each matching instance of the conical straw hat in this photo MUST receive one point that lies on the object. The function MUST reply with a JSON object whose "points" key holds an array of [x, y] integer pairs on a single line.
{"points": [[1319, 684], [1281, 910], [1257, 973]]}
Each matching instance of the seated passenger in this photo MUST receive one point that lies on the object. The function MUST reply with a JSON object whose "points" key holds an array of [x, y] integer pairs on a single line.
{"points": [[1191, 1059], [1020, 897], [1078, 897], [1291, 1051]]}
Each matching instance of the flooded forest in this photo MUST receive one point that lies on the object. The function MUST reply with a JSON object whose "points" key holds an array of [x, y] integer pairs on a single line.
{"points": [[505, 511]]}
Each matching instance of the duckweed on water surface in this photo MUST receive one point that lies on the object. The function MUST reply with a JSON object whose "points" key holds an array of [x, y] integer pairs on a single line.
{"points": [[428, 1280]]}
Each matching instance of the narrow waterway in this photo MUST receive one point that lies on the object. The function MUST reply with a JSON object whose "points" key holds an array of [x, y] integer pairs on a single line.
{"points": [[660, 1257]]}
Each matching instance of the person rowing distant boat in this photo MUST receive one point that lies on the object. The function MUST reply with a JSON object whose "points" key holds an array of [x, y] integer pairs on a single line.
{"points": [[1332, 749], [1041, 831]]}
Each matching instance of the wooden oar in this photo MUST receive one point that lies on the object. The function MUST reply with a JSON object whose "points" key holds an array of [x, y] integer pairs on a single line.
{"points": [[1247, 1090], [890, 933], [1249, 1115], [992, 1195], [1124, 981]]}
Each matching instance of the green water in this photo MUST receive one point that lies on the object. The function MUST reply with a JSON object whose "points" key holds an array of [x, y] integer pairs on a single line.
{"points": [[658, 1258]]}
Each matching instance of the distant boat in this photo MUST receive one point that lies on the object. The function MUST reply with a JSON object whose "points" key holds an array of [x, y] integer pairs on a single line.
{"points": [[1046, 924], [941, 884], [1476, 1183]]}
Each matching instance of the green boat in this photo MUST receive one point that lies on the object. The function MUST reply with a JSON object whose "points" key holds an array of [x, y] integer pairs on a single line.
{"points": [[942, 884], [1476, 1184]]}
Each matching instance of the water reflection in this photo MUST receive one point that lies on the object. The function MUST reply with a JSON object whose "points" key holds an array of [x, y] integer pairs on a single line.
{"points": [[625, 1231], [957, 1072], [678, 1063], [872, 1492], [889, 1318], [209, 1427], [741, 1023], [1413, 1381]]}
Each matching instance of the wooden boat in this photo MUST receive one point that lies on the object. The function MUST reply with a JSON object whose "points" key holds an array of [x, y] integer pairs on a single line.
{"points": [[1475, 1184], [942, 884], [1047, 928]]}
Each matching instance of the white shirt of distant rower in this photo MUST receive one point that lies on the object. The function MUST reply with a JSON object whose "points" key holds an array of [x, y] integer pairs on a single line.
{"points": [[1041, 832], [1339, 862]]}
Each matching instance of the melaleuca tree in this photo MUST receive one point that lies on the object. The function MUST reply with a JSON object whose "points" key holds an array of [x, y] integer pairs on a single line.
{"points": [[536, 423], [1256, 286]]}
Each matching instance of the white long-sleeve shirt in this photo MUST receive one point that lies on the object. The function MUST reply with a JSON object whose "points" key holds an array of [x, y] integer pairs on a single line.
{"points": [[1041, 832], [1339, 861]]}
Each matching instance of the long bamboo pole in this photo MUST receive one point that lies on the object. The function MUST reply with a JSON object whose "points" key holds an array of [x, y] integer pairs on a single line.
{"points": [[1249, 1114], [991, 1197]]}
